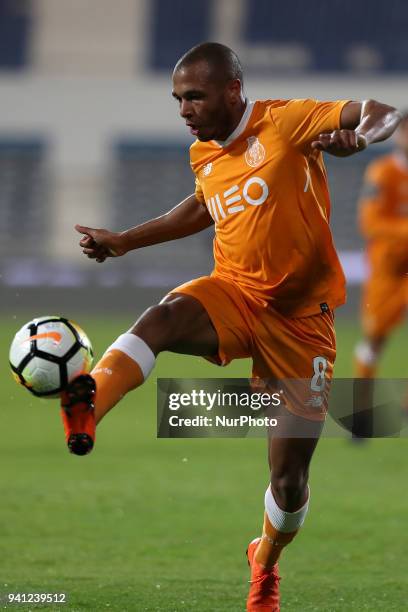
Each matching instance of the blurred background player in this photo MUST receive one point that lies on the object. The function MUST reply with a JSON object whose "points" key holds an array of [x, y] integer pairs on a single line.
{"points": [[383, 219], [260, 179]]}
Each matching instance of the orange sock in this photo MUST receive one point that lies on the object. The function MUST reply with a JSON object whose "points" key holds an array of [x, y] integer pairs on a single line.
{"points": [[279, 528], [362, 370], [115, 374], [272, 543]]}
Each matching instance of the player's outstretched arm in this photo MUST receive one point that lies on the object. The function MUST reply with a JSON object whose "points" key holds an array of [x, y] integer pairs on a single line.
{"points": [[362, 123], [187, 218]]}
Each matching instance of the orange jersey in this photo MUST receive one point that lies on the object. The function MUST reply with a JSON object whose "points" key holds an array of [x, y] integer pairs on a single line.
{"points": [[266, 190], [384, 214]]}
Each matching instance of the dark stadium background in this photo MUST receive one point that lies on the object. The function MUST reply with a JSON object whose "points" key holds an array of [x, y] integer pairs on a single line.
{"points": [[89, 134]]}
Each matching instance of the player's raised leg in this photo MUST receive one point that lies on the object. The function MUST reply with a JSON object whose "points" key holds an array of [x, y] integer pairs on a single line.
{"points": [[179, 324]]}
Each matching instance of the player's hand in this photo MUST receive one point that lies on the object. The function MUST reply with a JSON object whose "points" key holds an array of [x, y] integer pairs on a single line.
{"points": [[100, 243], [340, 143]]}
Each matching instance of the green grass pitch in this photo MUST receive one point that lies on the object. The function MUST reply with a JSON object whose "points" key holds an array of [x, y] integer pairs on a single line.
{"points": [[162, 525]]}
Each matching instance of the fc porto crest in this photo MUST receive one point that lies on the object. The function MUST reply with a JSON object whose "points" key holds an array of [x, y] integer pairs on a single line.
{"points": [[255, 153]]}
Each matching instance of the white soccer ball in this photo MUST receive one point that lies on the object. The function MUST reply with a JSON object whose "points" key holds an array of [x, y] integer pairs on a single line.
{"points": [[47, 353]]}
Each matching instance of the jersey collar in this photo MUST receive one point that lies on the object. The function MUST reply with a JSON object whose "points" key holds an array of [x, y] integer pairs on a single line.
{"points": [[240, 127]]}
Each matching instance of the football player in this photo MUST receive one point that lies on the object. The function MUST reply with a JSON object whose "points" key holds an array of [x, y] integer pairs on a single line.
{"points": [[383, 217], [260, 181]]}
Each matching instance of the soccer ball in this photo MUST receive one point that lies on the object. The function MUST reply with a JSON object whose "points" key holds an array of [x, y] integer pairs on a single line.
{"points": [[47, 353]]}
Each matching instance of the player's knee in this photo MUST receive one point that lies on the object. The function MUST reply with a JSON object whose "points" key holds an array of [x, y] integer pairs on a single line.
{"points": [[156, 326], [289, 490], [368, 351]]}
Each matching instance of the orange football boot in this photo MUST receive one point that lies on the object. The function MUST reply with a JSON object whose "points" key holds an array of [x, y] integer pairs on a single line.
{"points": [[263, 593], [78, 414]]}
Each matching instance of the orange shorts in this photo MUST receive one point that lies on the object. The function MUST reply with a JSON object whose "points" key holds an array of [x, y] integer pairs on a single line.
{"points": [[281, 348], [384, 303]]}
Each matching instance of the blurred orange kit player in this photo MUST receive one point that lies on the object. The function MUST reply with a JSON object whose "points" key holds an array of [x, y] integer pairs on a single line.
{"points": [[383, 221], [261, 182]]}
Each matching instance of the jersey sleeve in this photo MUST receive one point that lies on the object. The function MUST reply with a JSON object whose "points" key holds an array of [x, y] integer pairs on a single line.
{"points": [[198, 191], [301, 121]]}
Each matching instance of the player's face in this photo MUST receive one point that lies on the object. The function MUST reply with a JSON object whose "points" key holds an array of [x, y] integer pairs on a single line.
{"points": [[206, 104], [401, 136]]}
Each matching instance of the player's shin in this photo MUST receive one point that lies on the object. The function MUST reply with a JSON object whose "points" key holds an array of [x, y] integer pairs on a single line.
{"points": [[125, 365], [279, 529]]}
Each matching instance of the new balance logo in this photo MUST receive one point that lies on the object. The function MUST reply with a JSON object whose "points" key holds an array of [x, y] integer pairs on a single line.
{"points": [[234, 200], [207, 169], [107, 371]]}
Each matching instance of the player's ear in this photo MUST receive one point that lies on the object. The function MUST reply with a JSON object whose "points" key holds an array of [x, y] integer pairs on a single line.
{"points": [[234, 91]]}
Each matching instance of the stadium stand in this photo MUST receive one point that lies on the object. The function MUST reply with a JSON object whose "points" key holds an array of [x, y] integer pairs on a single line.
{"points": [[296, 36], [24, 197], [15, 29], [368, 40], [187, 28]]}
